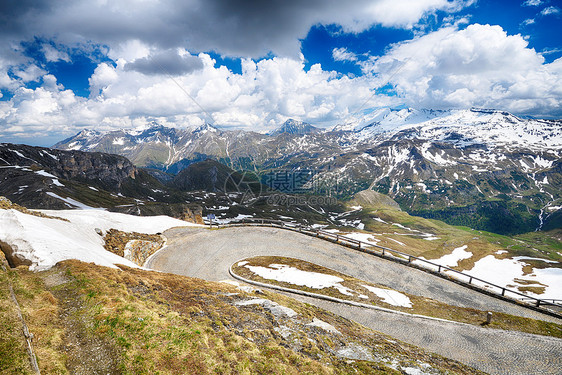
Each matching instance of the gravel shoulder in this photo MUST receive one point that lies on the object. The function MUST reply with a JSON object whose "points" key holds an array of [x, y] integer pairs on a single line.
{"points": [[207, 254]]}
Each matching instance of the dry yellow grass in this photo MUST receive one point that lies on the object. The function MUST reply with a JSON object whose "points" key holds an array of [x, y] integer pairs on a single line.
{"points": [[154, 323]]}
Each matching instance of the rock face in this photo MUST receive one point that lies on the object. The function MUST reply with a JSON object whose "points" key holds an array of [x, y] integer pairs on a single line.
{"points": [[14, 259], [192, 215], [43, 178], [136, 247], [109, 170]]}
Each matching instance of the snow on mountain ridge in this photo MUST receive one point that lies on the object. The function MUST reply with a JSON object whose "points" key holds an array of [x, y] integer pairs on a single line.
{"points": [[462, 127]]}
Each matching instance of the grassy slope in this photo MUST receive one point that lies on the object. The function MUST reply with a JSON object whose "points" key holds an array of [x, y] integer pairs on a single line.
{"points": [[481, 243], [13, 354], [93, 319]]}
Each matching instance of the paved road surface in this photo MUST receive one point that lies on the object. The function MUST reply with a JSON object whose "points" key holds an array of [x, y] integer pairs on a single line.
{"points": [[208, 254]]}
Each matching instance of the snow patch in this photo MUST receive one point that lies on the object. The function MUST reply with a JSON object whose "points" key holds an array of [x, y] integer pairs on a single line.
{"points": [[45, 241], [503, 272], [292, 275], [391, 297], [73, 202], [452, 260]]}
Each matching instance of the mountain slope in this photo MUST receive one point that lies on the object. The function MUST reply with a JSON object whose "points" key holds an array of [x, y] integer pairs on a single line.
{"points": [[462, 166], [43, 178]]}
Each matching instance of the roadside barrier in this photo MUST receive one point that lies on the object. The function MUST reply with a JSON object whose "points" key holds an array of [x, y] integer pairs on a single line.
{"points": [[547, 306]]}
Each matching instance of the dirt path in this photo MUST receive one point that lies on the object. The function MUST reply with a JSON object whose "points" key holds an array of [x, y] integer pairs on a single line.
{"points": [[208, 254]]}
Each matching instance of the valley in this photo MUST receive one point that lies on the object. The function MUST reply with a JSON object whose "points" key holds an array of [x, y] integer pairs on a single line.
{"points": [[434, 189]]}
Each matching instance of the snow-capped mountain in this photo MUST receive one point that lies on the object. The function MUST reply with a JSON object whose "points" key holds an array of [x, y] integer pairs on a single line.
{"points": [[295, 127], [485, 168], [490, 127]]}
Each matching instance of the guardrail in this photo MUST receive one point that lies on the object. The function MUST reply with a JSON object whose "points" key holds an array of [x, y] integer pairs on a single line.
{"points": [[411, 260]]}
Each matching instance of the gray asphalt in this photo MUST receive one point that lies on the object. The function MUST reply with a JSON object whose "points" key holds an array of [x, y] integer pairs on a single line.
{"points": [[208, 254]]}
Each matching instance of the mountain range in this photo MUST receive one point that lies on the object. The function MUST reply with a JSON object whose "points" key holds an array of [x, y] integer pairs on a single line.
{"points": [[485, 169]]}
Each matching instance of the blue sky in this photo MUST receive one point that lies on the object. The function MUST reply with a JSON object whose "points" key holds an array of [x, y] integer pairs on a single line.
{"points": [[254, 64]]}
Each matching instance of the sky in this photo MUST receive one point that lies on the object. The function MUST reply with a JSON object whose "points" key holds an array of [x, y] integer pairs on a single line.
{"points": [[121, 64]]}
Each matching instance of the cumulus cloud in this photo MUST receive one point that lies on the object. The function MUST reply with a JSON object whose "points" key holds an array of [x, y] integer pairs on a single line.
{"points": [[168, 62], [53, 54], [478, 66], [236, 27], [264, 95], [28, 73]]}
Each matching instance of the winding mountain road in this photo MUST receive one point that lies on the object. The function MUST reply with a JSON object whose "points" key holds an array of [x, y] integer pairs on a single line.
{"points": [[208, 254]]}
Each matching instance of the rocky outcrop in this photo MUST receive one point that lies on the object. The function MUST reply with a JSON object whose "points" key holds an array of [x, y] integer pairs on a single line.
{"points": [[106, 170], [136, 247], [14, 259], [193, 215]]}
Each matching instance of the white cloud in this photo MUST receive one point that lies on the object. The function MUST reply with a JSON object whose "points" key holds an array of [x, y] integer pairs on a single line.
{"points": [[28, 73], [532, 3], [53, 54], [478, 66], [36, 112], [550, 10], [342, 54], [264, 95]]}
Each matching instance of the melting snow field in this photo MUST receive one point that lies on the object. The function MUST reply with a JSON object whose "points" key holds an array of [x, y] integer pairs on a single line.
{"points": [[503, 272], [46, 241], [232, 219], [292, 275], [363, 237]]}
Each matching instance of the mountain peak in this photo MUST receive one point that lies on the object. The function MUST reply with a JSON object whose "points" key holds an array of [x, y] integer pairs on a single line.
{"points": [[292, 126], [206, 127]]}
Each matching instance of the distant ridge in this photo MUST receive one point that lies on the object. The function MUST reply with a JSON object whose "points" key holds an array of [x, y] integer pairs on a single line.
{"points": [[295, 127]]}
